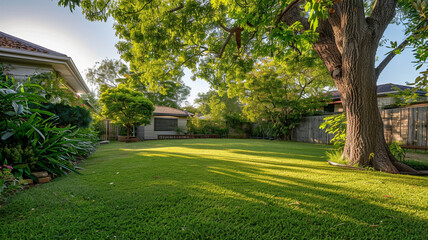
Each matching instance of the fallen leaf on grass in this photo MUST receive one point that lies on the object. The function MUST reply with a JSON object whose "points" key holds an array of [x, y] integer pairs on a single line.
{"points": [[387, 196], [374, 225], [155, 177], [324, 212]]}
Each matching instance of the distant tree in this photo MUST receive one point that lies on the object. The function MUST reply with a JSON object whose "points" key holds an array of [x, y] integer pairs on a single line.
{"points": [[281, 94], [190, 109], [109, 73], [174, 94], [126, 107], [217, 106]]}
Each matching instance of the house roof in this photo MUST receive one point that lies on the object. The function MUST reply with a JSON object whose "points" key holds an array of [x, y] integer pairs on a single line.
{"points": [[9, 41], [169, 111], [16, 50], [382, 90]]}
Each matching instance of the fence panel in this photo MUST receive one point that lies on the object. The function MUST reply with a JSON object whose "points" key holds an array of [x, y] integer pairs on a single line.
{"points": [[406, 125]]}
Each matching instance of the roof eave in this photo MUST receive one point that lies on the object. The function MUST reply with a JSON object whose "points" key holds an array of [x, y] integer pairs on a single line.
{"points": [[48, 59], [170, 114]]}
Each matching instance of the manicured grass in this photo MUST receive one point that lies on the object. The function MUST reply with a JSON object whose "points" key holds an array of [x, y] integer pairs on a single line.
{"points": [[218, 188]]}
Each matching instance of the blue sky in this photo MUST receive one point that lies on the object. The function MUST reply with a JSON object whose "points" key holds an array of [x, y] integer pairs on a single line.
{"points": [[44, 23]]}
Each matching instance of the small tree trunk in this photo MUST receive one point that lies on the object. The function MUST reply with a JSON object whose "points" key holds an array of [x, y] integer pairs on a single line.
{"points": [[127, 132]]}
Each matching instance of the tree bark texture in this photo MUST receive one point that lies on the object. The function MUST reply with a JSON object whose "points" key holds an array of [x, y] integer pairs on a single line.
{"points": [[347, 45]]}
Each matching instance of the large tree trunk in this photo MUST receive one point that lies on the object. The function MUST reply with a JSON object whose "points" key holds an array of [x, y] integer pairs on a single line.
{"points": [[347, 44]]}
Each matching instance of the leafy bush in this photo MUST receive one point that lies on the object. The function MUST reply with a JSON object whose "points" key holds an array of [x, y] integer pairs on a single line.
{"points": [[198, 126], [69, 115], [30, 142], [400, 155], [336, 156], [8, 183], [336, 125], [397, 151]]}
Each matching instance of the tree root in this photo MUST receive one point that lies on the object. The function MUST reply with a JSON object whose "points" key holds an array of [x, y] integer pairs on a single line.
{"points": [[406, 169]]}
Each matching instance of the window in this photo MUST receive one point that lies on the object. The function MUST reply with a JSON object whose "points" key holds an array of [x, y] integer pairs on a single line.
{"points": [[166, 124]]}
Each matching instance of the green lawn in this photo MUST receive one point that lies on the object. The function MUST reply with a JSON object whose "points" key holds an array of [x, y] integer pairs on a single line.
{"points": [[218, 188]]}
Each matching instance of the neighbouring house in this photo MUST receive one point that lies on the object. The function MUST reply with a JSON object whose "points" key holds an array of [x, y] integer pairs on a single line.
{"points": [[23, 59], [384, 97], [165, 121]]}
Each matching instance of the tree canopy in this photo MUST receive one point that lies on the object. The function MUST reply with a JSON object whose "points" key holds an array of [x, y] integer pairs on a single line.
{"points": [[109, 73], [126, 107], [221, 39]]}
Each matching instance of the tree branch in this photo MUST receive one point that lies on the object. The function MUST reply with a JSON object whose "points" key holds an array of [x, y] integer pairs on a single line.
{"points": [[390, 56], [224, 27], [224, 44], [141, 9], [382, 14], [176, 8], [283, 12], [292, 14]]}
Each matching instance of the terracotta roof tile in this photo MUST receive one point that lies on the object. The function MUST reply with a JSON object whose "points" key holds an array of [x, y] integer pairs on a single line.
{"points": [[9, 41], [161, 110]]}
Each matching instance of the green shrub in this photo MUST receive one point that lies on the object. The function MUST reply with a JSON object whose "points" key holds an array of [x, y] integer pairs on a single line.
{"points": [[69, 115], [8, 183], [336, 125], [30, 142], [397, 151], [336, 156], [199, 126]]}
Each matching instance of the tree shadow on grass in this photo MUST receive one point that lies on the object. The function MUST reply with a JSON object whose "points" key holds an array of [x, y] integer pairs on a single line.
{"points": [[176, 189], [308, 204]]}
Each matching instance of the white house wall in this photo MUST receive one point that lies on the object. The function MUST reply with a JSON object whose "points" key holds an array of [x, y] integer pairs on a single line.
{"points": [[22, 72], [150, 133]]}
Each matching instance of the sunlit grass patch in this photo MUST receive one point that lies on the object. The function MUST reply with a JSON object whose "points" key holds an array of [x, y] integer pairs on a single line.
{"points": [[218, 188]]}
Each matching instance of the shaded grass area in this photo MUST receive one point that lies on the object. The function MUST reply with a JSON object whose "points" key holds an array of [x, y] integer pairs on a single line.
{"points": [[218, 188]]}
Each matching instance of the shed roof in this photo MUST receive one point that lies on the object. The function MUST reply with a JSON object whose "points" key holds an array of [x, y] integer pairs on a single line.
{"points": [[169, 111]]}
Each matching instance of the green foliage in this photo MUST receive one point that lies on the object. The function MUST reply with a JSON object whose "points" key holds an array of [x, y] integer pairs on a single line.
{"points": [[218, 106], [397, 151], [336, 156], [199, 126], [126, 107], [109, 73], [53, 88], [336, 125], [400, 154], [8, 184], [30, 142], [405, 97], [281, 93], [69, 115]]}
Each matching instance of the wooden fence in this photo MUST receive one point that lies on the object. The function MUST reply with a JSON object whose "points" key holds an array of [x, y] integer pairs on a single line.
{"points": [[192, 136], [111, 131], [406, 125]]}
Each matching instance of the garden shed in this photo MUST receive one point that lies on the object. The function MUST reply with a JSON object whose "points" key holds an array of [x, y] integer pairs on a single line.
{"points": [[165, 121]]}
